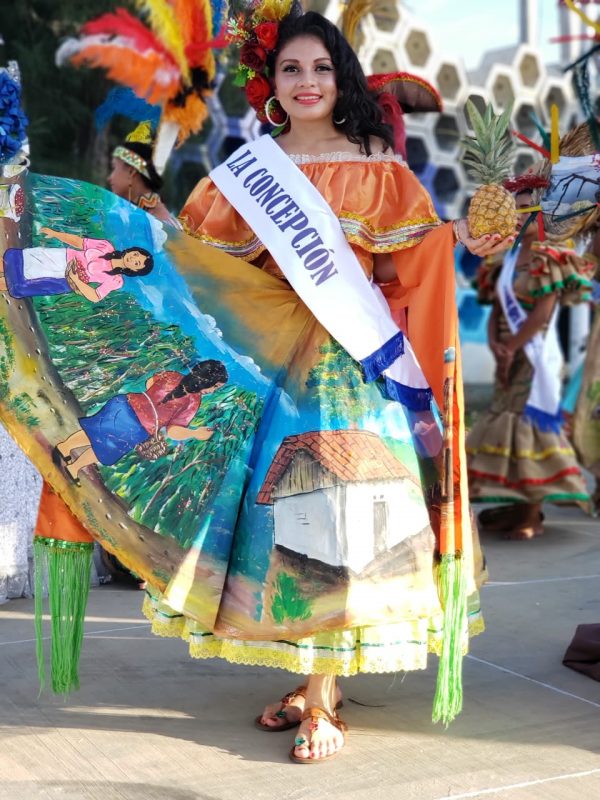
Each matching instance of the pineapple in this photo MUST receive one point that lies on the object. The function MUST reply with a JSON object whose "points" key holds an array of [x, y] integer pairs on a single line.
{"points": [[488, 158]]}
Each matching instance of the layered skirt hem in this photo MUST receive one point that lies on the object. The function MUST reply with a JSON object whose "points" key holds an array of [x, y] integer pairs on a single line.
{"points": [[399, 647]]}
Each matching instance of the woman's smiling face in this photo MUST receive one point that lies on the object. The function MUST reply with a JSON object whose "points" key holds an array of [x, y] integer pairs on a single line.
{"points": [[305, 83]]}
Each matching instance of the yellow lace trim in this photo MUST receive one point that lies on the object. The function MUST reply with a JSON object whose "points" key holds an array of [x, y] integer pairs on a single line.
{"points": [[372, 238], [403, 657]]}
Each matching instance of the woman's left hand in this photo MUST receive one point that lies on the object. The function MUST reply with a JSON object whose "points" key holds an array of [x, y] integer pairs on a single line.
{"points": [[486, 245]]}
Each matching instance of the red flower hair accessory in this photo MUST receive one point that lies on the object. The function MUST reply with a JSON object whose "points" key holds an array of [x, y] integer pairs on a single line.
{"points": [[256, 32]]}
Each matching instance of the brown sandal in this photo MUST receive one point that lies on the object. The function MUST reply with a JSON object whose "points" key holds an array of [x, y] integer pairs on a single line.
{"points": [[315, 714], [300, 691]]}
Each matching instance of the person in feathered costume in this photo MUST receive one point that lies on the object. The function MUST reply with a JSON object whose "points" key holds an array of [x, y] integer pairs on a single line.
{"points": [[169, 61]]}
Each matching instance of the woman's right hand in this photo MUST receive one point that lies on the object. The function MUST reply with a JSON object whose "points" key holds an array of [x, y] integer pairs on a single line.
{"points": [[488, 245], [47, 232], [72, 270], [203, 434]]}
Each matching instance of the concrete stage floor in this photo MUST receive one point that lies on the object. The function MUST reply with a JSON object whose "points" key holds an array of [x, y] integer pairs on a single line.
{"points": [[152, 724]]}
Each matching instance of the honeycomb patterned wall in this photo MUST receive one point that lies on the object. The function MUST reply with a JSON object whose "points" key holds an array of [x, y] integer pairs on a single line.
{"points": [[391, 40]]}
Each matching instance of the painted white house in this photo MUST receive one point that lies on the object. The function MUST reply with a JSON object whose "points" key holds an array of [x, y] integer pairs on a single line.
{"points": [[341, 497]]}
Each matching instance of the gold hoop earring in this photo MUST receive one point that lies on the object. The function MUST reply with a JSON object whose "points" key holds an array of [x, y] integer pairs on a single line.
{"points": [[268, 116]]}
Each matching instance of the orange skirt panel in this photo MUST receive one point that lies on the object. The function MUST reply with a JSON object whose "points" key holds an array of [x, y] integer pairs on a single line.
{"points": [[55, 520]]}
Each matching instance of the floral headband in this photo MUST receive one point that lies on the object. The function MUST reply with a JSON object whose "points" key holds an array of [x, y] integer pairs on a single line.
{"points": [[256, 32], [132, 159]]}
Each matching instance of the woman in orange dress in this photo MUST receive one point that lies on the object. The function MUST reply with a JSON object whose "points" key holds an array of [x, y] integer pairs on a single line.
{"points": [[336, 139]]}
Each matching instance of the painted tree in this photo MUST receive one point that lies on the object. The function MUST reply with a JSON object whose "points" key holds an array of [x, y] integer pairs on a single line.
{"points": [[21, 404], [337, 384]]}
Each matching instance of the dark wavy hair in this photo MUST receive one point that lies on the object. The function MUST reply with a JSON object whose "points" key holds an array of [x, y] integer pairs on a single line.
{"points": [[131, 273], [356, 105], [203, 375], [154, 183]]}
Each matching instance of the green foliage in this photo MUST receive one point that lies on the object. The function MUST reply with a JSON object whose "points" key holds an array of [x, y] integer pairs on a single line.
{"points": [[7, 359], [60, 102], [126, 342], [288, 602], [337, 382], [116, 351], [21, 407], [593, 392], [170, 495], [72, 207]]}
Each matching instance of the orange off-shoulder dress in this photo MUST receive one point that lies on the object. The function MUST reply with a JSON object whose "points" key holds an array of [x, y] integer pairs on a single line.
{"points": [[382, 208]]}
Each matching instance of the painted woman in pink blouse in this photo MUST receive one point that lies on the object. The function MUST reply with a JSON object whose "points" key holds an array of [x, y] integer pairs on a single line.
{"points": [[90, 267]]}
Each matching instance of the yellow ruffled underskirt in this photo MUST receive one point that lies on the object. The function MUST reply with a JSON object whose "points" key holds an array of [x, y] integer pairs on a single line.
{"points": [[401, 647]]}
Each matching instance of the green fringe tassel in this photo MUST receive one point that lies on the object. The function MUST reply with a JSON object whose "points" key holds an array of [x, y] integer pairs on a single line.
{"points": [[68, 566], [447, 703]]}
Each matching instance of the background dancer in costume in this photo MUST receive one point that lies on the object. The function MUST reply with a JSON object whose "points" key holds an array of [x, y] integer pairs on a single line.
{"points": [[586, 420], [335, 136], [514, 459], [134, 176]]}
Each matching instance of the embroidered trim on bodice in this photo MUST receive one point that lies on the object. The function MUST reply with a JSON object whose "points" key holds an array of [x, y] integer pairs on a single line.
{"points": [[340, 156]]}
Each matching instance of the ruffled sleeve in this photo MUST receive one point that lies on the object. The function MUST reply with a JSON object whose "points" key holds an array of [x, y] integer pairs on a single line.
{"points": [[380, 204], [208, 216], [557, 268]]}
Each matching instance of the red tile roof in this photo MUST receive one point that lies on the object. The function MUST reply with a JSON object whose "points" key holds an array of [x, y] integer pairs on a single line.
{"points": [[350, 455]]}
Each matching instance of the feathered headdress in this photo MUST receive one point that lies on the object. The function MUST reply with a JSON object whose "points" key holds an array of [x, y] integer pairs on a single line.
{"points": [[166, 58]]}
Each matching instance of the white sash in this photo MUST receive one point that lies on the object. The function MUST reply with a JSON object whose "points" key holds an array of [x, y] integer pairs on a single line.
{"points": [[543, 352], [301, 232]]}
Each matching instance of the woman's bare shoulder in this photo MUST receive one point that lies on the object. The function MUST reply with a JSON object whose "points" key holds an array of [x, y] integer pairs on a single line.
{"points": [[377, 145]]}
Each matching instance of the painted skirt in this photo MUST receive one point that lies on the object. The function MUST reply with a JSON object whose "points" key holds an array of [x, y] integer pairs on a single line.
{"points": [[302, 533]]}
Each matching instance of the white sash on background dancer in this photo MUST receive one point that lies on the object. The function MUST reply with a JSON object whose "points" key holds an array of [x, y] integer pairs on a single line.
{"points": [[301, 232], [543, 352]]}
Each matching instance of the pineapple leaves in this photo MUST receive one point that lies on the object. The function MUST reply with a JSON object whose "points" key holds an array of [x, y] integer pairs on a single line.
{"points": [[476, 120], [488, 155], [503, 121]]}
